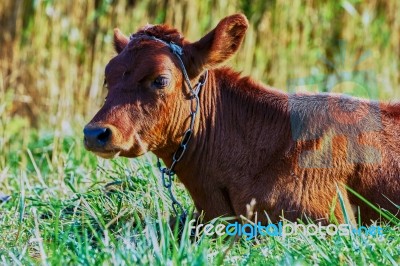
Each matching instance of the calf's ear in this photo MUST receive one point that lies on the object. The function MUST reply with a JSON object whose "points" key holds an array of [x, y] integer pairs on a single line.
{"points": [[120, 40], [217, 46]]}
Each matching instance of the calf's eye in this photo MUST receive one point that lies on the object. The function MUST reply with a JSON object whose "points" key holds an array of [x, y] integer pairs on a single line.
{"points": [[126, 74], [161, 82]]}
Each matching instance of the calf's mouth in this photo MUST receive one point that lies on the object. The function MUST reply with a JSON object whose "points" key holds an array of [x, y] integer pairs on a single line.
{"points": [[108, 142]]}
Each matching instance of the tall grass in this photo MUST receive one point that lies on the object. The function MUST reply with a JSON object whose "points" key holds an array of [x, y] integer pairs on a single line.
{"points": [[53, 53]]}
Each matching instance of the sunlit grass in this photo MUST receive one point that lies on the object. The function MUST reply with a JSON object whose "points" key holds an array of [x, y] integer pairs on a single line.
{"points": [[62, 212]]}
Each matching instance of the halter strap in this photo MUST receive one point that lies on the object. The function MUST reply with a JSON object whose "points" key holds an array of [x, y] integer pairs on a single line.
{"points": [[178, 51]]}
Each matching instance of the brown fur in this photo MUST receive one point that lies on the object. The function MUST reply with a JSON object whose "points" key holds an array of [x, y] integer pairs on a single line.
{"points": [[291, 153]]}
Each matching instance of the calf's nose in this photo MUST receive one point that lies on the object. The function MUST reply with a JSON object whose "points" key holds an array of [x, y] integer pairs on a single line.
{"points": [[96, 137]]}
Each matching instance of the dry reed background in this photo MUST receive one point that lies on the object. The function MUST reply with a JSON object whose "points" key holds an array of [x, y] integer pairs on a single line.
{"points": [[52, 53]]}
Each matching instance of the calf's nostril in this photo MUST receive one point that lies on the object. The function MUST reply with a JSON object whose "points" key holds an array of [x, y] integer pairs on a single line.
{"points": [[104, 136]]}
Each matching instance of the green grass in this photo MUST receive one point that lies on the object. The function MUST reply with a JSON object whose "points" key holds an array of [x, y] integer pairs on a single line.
{"points": [[61, 212]]}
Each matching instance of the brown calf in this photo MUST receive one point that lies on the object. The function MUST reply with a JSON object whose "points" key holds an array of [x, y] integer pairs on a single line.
{"points": [[290, 153]]}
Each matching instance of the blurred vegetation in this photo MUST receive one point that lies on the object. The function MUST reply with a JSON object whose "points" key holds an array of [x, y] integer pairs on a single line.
{"points": [[53, 53]]}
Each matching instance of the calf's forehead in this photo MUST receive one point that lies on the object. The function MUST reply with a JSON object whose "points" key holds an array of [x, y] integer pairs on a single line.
{"points": [[118, 63], [151, 58]]}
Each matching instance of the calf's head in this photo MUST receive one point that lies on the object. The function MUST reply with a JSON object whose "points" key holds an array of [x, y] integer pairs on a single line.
{"points": [[147, 105]]}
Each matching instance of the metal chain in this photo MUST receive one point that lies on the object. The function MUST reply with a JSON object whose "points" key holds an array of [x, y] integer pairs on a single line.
{"points": [[167, 174]]}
